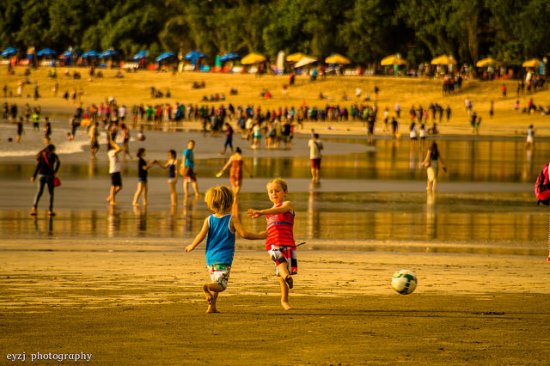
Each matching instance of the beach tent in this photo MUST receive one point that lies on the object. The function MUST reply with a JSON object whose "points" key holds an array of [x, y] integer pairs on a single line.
{"points": [[46, 52], [444, 60], [534, 62], [8, 52], [486, 62], [140, 55], [304, 61], [337, 59], [393, 60], [252, 58], [295, 57], [164, 56], [90, 53], [229, 57]]}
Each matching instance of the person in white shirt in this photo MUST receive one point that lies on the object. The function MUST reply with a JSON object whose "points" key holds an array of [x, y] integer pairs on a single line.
{"points": [[114, 171], [315, 146]]}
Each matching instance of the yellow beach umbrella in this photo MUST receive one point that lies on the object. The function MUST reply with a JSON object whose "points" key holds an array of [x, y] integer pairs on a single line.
{"points": [[534, 62], [444, 60], [337, 59], [486, 62], [252, 58], [295, 57], [306, 60], [393, 60]]}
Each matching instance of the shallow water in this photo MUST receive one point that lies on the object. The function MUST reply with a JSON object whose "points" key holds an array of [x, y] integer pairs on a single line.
{"points": [[487, 216]]}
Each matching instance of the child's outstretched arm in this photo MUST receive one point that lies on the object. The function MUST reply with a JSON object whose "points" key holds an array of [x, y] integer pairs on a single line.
{"points": [[199, 238], [236, 221], [285, 207]]}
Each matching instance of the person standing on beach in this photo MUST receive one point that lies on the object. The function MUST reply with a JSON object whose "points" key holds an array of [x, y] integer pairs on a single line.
{"points": [[47, 130], [315, 146], [19, 130], [280, 242], [219, 231], [431, 162], [236, 164], [47, 165], [93, 134], [530, 142], [228, 138], [172, 164], [143, 172], [114, 171], [188, 170]]}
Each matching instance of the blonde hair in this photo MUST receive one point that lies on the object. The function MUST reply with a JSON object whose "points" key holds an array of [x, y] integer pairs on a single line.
{"points": [[219, 199], [279, 181]]}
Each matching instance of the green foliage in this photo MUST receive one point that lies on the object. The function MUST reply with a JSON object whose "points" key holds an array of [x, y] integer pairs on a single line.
{"points": [[364, 30]]}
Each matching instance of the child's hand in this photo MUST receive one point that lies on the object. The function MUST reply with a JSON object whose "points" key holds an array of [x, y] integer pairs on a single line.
{"points": [[254, 213], [189, 248]]}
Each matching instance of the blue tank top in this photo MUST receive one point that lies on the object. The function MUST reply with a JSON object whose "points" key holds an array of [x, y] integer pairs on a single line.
{"points": [[172, 171], [220, 242]]}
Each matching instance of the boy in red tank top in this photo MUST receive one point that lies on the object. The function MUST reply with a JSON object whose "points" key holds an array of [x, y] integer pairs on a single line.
{"points": [[280, 237]]}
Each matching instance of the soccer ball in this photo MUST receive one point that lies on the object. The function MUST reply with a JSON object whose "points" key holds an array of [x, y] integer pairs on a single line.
{"points": [[404, 282]]}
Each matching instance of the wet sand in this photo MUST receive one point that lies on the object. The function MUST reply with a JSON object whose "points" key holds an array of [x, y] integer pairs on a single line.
{"points": [[140, 302]]}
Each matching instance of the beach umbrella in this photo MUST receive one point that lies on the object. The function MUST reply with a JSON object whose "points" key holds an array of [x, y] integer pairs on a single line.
{"points": [[46, 52], [337, 59], [444, 60], [229, 57], [295, 57], [10, 51], [252, 58], [138, 56], [109, 53], [306, 60], [486, 62], [393, 60], [90, 53], [534, 62], [164, 56], [194, 55]]}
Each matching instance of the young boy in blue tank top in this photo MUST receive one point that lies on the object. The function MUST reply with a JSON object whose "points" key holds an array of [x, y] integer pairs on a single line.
{"points": [[219, 231]]}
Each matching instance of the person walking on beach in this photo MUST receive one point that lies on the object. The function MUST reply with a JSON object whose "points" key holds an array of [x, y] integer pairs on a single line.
{"points": [[47, 165], [125, 136], [20, 130], [228, 138], [143, 172], [188, 170], [47, 130], [530, 142], [93, 134], [431, 162], [114, 171], [280, 236], [219, 230], [237, 167], [172, 164], [315, 146]]}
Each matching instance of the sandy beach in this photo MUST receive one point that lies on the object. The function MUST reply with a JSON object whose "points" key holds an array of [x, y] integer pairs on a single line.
{"points": [[116, 284]]}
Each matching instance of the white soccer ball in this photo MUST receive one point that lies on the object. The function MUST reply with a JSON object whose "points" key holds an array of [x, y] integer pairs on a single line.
{"points": [[404, 282]]}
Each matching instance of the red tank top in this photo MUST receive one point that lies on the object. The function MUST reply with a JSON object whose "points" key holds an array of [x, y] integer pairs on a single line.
{"points": [[280, 229]]}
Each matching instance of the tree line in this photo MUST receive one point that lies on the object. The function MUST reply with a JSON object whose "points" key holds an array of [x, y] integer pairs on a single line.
{"points": [[363, 30]]}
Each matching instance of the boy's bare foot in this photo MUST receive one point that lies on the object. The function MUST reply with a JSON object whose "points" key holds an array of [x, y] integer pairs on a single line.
{"points": [[289, 281], [208, 295], [33, 211], [286, 305]]}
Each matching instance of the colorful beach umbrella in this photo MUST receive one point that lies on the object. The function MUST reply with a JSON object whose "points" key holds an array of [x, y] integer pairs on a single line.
{"points": [[486, 62], [304, 61], [165, 56], [337, 59], [48, 52], [108, 53], [8, 52], [534, 62], [138, 56], [229, 57], [252, 58], [393, 60], [295, 57], [444, 60]]}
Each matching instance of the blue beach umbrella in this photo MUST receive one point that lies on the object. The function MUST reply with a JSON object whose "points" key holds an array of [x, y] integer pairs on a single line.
{"points": [[48, 52], [10, 51], [164, 56], [229, 57], [194, 55], [138, 56], [90, 53], [108, 53]]}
